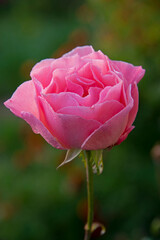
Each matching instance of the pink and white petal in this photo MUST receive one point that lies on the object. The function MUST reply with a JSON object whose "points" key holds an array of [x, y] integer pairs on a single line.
{"points": [[23, 99], [71, 131], [124, 135], [109, 133], [42, 71], [99, 112], [39, 128], [61, 100], [130, 72], [81, 51]]}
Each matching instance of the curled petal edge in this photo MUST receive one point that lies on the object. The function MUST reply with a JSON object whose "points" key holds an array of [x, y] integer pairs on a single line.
{"points": [[38, 128], [110, 131]]}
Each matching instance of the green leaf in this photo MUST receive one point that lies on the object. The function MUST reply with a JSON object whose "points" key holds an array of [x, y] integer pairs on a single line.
{"points": [[97, 161], [70, 155]]}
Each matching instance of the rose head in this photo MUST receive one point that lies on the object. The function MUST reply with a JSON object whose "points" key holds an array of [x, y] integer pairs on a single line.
{"points": [[82, 100]]}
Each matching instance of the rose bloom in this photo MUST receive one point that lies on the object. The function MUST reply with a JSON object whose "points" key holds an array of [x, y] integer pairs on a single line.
{"points": [[82, 100]]}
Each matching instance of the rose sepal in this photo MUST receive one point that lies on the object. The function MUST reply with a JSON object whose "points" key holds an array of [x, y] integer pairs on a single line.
{"points": [[70, 155], [97, 161]]}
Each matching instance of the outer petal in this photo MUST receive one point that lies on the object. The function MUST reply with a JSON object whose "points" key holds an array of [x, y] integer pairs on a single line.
{"points": [[23, 99], [81, 51], [23, 104], [109, 133], [125, 135], [42, 71], [99, 112], [39, 128], [134, 110], [130, 72], [71, 131]]}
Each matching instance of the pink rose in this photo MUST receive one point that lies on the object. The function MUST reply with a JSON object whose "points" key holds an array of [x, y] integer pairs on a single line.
{"points": [[82, 100]]}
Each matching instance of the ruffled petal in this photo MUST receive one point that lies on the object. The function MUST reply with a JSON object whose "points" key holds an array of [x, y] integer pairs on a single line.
{"points": [[130, 72], [65, 99], [112, 93], [92, 97], [81, 51]]}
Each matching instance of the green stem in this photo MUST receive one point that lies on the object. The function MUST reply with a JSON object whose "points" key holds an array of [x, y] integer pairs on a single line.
{"points": [[89, 175]]}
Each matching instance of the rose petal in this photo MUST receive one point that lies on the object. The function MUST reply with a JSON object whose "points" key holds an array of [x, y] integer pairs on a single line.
{"points": [[61, 100], [64, 99], [81, 51], [38, 86], [125, 135], [73, 87], [112, 93], [39, 128], [23, 99], [99, 60], [109, 79], [96, 73], [95, 55], [109, 133], [130, 72], [66, 128], [66, 63], [85, 83], [103, 94], [134, 110], [99, 112], [85, 71], [42, 71], [58, 77], [92, 97]]}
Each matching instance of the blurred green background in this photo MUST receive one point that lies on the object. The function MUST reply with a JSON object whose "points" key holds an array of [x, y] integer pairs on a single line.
{"points": [[38, 202]]}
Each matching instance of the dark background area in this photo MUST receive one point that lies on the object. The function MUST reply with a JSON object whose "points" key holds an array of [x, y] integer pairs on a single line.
{"points": [[38, 202]]}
